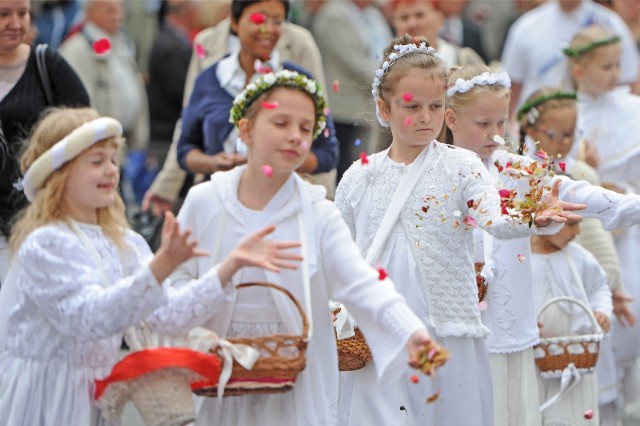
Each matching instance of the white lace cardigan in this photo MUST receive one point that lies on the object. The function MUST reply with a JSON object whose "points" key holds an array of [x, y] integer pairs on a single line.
{"points": [[434, 215]]}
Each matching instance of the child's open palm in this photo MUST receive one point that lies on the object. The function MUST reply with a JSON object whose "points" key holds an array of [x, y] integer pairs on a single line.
{"points": [[552, 209], [176, 247]]}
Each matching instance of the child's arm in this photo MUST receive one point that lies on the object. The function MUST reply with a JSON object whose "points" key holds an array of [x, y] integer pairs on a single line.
{"points": [[595, 284], [344, 191], [614, 210], [194, 302]]}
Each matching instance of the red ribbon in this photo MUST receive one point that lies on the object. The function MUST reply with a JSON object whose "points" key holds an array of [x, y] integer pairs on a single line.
{"points": [[148, 360]]}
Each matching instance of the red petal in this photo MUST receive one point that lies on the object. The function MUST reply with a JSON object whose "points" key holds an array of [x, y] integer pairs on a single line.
{"points": [[336, 86], [258, 18], [407, 96], [414, 379], [363, 158], [102, 46], [470, 204], [563, 166], [504, 193], [269, 105], [382, 274]]}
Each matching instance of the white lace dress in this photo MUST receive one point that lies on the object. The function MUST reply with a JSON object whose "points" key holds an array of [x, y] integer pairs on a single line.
{"points": [[67, 326], [440, 286]]}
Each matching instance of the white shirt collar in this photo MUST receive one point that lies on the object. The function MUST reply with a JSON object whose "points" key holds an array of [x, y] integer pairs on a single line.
{"points": [[232, 77]]}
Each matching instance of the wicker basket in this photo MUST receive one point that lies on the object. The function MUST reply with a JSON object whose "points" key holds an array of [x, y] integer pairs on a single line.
{"points": [[554, 354], [353, 352], [480, 281], [163, 397], [282, 357]]}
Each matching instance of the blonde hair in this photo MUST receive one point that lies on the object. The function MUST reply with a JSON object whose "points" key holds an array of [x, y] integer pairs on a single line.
{"points": [[406, 63], [543, 100], [49, 205], [585, 44], [460, 102]]}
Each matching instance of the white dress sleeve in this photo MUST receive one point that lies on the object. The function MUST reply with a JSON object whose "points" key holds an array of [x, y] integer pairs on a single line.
{"points": [[61, 278], [380, 311], [342, 198], [614, 210], [594, 280]]}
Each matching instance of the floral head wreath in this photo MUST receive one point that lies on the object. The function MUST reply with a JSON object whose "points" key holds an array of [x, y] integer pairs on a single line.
{"points": [[574, 52], [400, 50], [485, 79], [530, 108], [284, 78]]}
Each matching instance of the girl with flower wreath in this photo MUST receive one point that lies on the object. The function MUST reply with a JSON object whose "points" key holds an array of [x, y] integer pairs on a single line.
{"points": [[476, 115], [412, 209], [80, 277], [277, 117]]}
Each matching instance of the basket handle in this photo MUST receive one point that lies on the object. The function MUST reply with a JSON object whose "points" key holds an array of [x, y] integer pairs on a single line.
{"points": [[305, 320], [584, 307]]}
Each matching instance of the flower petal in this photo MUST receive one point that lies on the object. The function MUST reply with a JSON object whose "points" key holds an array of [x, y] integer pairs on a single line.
{"points": [[200, 51], [382, 274], [269, 105], [267, 170], [363, 158], [258, 18], [101, 46]]}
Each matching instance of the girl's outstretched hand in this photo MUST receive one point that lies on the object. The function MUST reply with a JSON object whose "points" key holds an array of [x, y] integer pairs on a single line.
{"points": [[552, 209], [425, 354], [258, 251], [621, 308], [603, 321], [175, 248]]}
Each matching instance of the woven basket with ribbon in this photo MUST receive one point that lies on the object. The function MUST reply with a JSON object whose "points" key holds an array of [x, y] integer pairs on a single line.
{"points": [[353, 351], [280, 358], [554, 354]]}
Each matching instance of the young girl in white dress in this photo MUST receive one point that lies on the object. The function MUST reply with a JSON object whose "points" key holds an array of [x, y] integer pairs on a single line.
{"points": [[563, 268], [412, 209], [277, 118], [608, 118], [80, 277]]}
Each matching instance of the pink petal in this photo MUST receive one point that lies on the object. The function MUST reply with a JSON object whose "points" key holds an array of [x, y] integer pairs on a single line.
{"points": [[407, 96], [521, 258], [336, 86], [101, 46], [588, 414], [304, 145], [327, 133], [325, 111], [200, 51], [469, 220], [432, 353], [407, 121], [382, 274], [258, 18], [563, 166], [482, 306], [269, 105], [267, 170]]}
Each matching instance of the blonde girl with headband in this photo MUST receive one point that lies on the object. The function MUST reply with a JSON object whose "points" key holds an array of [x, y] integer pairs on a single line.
{"points": [[412, 209], [476, 115], [80, 277], [277, 117]]}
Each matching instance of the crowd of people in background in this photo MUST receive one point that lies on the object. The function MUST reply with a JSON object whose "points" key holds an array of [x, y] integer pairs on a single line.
{"points": [[500, 84]]}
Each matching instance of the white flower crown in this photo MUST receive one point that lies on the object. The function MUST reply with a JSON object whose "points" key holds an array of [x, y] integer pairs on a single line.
{"points": [[400, 51], [485, 79]]}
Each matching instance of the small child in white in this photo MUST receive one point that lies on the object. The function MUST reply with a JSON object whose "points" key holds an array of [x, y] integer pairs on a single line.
{"points": [[563, 268]]}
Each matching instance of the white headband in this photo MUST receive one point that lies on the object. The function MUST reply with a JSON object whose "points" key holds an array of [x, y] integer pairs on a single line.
{"points": [[485, 79], [400, 51], [65, 150]]}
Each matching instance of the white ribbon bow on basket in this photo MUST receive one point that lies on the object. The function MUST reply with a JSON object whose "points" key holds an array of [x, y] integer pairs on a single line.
{"points": [[566, 384], [203, 340]]}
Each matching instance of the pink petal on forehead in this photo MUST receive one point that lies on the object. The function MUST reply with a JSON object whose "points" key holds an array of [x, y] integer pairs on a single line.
{"points": [[258, 18], [407, 96], [269, 105], [200, 51], [101, 46], [267, 170]]}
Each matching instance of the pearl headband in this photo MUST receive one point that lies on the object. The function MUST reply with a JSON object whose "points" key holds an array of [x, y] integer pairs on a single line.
{"points": [[67, 149]]}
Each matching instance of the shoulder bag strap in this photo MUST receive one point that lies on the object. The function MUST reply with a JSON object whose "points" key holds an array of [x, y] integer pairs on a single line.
{"points": [[43, 72]]}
